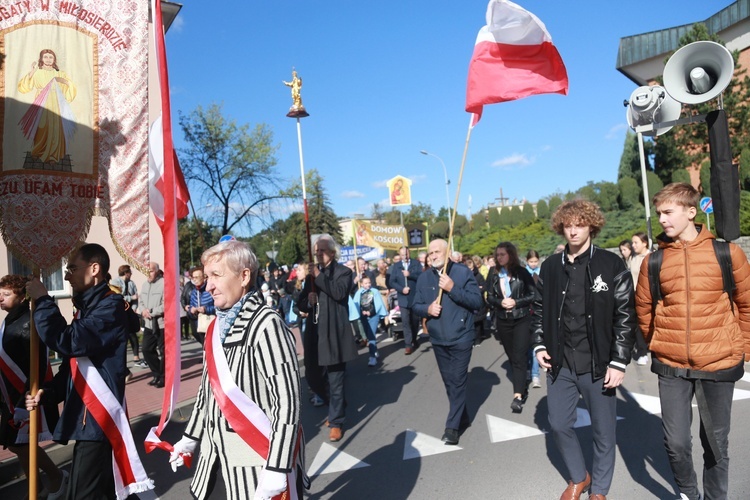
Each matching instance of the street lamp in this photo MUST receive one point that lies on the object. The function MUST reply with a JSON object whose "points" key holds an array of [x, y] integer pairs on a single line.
{"points": [[447, 182]]}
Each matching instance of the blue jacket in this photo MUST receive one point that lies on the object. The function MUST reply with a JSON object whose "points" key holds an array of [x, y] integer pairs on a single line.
{"points": [[205, 301], [456, 321], [99, 333], [398, 281]]}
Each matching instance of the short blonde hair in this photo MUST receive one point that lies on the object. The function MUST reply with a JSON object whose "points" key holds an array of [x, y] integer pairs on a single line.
{"points": [[237, 256], [578, 212], [680, 193]]}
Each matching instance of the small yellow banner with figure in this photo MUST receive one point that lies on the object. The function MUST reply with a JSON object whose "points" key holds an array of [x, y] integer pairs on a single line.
{"points": [[399, 189]]}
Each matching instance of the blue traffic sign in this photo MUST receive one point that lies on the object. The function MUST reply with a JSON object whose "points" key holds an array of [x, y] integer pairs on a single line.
{"points": [[707, 205]]}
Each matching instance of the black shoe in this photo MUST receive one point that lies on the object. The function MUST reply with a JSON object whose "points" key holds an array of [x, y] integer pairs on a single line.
{"points": [[159, 383], [525, 395], [450, 436], [154, 381], [517, 405], [464, 424]]}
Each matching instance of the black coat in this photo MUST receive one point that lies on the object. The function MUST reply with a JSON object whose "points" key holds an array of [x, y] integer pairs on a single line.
{"points": [[522, 290], [610, 311], [335, 340]]}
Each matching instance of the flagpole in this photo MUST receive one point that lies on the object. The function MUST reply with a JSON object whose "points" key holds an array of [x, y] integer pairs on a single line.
{"points": [[304, 192], [455, 203], [34, 414]]}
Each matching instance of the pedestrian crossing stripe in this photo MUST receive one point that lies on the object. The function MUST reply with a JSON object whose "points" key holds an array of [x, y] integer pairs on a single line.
{"points": [[330, 459], [506, 430], [650, 404], [418, 444], [746, 377]]}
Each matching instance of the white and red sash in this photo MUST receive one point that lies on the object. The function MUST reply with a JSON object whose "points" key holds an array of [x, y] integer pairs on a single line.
{"points": [[130, 476], [245, 417], [17, 379]]}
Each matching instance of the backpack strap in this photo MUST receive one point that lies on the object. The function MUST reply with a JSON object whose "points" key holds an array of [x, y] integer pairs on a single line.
{"points": [[724, 257], [654, 268]]}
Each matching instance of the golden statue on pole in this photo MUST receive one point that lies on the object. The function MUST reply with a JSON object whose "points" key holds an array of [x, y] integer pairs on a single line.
{"points": [[297, 110]]}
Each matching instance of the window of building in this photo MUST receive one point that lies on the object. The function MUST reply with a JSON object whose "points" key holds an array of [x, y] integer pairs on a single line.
{"points": [[54, 283]]}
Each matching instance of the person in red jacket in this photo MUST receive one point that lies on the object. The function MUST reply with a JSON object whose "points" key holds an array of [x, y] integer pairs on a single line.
{"points": [[699, 339]]}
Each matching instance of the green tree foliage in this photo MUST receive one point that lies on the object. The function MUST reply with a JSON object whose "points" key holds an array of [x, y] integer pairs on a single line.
{"points": [[392, 217], [602, 193], [744, 212], [681, 175], [745, 169], [654, 185], [630, 161], [494, 217], [195, 236], [505, 219], [528, 214], [419, 212], [439, 229], [554, 202], [516, 217], [542, 209], [322, 217], [629, 193], [461, 225], [377, 212], [706, 177], [229, 164], [478, 220]]}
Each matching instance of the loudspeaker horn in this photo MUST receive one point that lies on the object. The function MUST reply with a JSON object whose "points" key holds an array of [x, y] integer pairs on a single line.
{"points": [[698, 72], [652, 105]]}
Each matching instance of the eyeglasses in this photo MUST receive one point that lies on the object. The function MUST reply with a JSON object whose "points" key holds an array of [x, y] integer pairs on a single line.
{"points": [[71, 268]]}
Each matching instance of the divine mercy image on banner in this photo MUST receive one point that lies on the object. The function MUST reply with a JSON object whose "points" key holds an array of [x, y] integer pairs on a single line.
{"points": [[74, 121]]}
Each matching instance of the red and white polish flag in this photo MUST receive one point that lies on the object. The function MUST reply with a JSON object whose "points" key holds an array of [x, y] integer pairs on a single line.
{"points": [[513, 58]]}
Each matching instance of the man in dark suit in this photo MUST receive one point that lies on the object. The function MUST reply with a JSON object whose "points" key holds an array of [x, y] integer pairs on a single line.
{"points": [[404, 275]]}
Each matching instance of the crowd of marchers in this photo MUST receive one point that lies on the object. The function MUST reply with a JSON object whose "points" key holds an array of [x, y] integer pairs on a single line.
{"points": [[571, 322]]}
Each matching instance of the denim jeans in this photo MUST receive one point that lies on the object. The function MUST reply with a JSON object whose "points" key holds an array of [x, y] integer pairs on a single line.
{"points": [[677, 415]]}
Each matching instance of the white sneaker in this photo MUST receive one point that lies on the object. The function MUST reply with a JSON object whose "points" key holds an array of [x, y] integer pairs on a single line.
{"points": [[642, 361], [536, 383], [373, 361], [317, 400]]}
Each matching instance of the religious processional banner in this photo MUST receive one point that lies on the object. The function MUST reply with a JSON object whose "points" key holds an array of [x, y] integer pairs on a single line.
{"points": [[74, 123], [384, 236], [367, 253]]}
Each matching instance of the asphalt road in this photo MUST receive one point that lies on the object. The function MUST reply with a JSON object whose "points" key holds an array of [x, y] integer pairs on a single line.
{"points": [[395, 417]]}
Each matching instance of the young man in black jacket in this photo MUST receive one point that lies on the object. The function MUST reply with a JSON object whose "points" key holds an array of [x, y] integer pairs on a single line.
{"points": [[584, 330]]}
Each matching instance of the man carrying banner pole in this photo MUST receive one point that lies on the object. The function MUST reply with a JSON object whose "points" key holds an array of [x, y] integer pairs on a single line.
{"points": [[91, 380]]}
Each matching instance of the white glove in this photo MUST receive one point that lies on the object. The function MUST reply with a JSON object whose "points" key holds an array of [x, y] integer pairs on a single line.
{"points": [[20, 417], [271, 484], [185, 447]]}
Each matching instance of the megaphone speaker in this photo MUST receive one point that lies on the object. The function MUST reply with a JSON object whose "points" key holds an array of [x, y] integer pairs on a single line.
{"points": [[698, 72], [649, 105]]}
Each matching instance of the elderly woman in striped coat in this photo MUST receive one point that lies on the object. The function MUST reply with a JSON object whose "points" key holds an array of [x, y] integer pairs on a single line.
{"points": [[246, 416]]}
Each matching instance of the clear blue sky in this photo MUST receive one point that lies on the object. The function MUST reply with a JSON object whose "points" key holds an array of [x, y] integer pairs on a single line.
{"points": [[384, 80]]}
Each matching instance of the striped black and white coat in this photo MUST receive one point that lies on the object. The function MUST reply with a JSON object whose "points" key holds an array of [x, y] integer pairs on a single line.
{"points": [[262, 358]]}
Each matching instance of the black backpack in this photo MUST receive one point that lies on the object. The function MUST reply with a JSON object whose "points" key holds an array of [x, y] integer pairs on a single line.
{"points": [[723, 256]]}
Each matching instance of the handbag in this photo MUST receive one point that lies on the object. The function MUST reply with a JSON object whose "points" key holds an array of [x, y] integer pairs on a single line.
{"points": [[203, 319]]}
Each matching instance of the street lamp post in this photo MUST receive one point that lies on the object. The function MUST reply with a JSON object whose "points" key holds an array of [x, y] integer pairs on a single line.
{"points": [[447, 182]]}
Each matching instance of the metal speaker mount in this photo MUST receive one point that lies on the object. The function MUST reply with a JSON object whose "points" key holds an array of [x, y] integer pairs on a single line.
{"points": [[652, 105], [698, 72]]}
